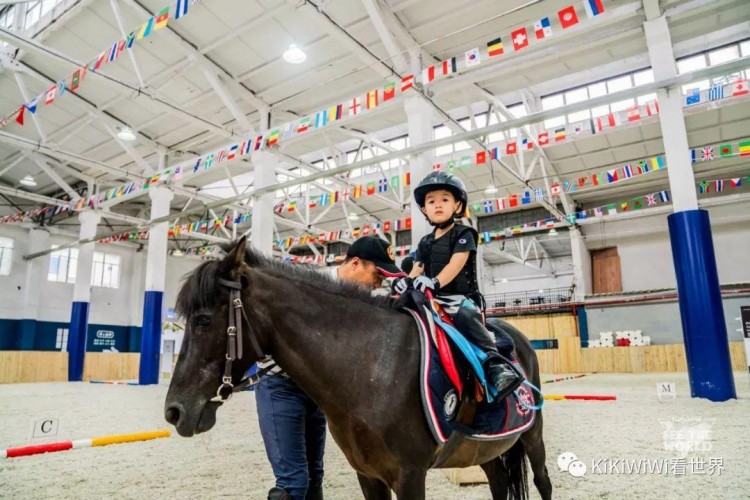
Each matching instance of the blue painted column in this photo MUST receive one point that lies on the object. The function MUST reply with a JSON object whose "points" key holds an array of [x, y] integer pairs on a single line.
{"points": [[702, 315], [79, 315], [36, 276], [155, 275]]}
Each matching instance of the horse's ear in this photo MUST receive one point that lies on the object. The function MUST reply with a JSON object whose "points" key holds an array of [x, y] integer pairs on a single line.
{"points": [[236, 257]]}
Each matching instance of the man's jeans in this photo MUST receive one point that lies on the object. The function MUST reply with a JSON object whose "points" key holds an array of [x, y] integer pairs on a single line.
{"points": [[294, 433]]}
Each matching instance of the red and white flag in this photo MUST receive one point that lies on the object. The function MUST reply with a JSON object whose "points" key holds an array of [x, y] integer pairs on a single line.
{"points": [[407, 82], [740, 88], [51, 94], [652, 108], [428, 74], [511, 148], [356, 106], [634, 113], [543, 139], [449, 66], [520, 38]]}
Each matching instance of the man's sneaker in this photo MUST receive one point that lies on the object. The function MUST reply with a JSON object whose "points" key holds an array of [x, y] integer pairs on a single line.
{"points": [[504, 378]]}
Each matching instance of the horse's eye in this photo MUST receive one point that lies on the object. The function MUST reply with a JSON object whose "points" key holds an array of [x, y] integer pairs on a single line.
{"points": [[202, 320]]}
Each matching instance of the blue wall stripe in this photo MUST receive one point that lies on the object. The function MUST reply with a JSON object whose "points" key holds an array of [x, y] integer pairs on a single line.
{"points": [[126, 338], [701, 311]]}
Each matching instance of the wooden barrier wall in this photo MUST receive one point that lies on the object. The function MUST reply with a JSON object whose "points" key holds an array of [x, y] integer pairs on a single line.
{"points": [[52, 366], [546, 326]]}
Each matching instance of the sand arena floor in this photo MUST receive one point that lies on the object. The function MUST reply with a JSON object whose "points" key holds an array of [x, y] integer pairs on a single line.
{"points": [[229, 461]]}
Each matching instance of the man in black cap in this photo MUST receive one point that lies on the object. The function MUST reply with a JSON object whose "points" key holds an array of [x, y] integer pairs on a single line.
{"points": [[292, 425]]}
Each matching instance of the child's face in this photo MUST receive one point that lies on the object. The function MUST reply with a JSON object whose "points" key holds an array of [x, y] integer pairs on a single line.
{"points": [[439, 206]]}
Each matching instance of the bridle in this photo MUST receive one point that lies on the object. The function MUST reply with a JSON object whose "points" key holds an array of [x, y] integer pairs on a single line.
{"points": [[234, 344]]}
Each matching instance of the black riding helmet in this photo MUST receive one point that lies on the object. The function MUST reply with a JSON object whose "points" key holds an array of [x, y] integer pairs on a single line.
{"points": [[441, 180]]}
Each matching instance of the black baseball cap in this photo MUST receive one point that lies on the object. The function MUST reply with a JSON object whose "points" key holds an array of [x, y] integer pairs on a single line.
{"points": [[378, 251]]}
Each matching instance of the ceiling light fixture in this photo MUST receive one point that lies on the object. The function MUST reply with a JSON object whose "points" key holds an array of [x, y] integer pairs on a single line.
{"points": [[294, 55], [491, 189], [28, 181], [553, 232], [353, 216], [126, 134]]}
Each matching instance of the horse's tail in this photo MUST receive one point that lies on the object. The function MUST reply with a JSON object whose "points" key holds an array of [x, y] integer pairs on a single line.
{"points": [[514, 461]]}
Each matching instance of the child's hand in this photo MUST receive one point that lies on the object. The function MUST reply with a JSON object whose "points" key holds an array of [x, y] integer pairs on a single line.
{"points": [[417, 270]]}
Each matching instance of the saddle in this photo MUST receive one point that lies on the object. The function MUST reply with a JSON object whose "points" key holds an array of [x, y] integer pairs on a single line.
{"points": [[456, 399]]}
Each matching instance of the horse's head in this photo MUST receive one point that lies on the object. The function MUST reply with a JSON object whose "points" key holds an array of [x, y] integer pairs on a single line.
{"points": [[212, 358]]}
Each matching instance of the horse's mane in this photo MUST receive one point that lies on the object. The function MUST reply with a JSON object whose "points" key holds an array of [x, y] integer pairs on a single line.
{"points": [[201, 288]]}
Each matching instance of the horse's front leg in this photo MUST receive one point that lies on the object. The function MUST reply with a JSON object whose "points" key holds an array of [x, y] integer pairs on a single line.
{"points": [[373, 489], [411, 485]]}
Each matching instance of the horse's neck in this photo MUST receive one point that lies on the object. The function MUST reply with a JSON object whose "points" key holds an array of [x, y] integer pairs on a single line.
{"points": [[333, 347]]}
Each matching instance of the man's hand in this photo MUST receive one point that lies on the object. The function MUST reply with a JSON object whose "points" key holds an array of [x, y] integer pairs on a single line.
{"points": [[422, 283], [400, 285]]}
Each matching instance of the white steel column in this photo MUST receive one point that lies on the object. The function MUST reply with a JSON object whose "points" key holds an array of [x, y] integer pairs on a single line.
{"points": [[581, 265], [671, 118], [262, 219], [420, 115], [154, 296], [79, 315]]}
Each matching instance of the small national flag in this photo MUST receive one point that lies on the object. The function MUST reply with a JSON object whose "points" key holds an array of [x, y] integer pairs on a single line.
{"points": [[599, 212], [372, 99], [539, 194], [707, 153], [736, 182], [527, 143], [382, 185], [495, 47], [75, 80], [177, 173], [657, 163], [593, 7], [162, 17], [578, 128], [716, 92], [568, 17], [145, 30], [613, 175], [370, 188], [471, 57], [292, 206], [448, 66], [113, 52], [560, 134], [651, 199], [520, 38], [634, 113], [394, 182], [542, 28], [181, 9], [407, 178], [511, 148], [555, 190], [19, 116], [321, 119], [652, 107], [637, 203], [407, 82], [355, 106], [693, 157], [495, 153], [543, 139], [513, 200], [481, 157], [304, 124], [704, 187], [628, 171], [273, 138], [526, 198], [719, 184], [694, 97], [663, 196], [428, 74], [51, 95], [745, 148], [488, 206], [740, 88], [725, 150], [389, 91]]}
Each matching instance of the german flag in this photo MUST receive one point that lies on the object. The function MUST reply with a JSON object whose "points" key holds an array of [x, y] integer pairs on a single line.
{"points": [[495, 47]]}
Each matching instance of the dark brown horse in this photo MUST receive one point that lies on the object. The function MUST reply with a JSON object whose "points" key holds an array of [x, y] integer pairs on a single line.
{"points": [[355, 356]]}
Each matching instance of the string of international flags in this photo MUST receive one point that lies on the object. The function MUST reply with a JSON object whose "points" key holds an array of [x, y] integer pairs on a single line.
{"points": [[519, 39], [631, 204], [73, 81], [623, 172]]}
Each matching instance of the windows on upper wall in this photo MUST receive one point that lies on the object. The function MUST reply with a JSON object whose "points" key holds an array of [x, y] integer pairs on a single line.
{"points": [[6, 255], [105, 270], [62, 265]]}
